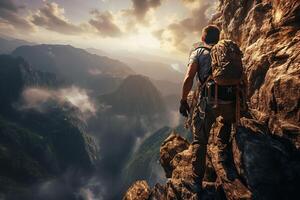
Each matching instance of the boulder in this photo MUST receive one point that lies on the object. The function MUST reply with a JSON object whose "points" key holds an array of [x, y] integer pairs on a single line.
{"points": [[170, 147], [140, 190]]}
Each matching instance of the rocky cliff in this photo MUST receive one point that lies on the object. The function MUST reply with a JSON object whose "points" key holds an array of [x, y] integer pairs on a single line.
{"points": [[264, 159], [268, 33], [260, 166]]}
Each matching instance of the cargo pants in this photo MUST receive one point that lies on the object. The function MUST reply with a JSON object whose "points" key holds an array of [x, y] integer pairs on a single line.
{"points": [[204, 118]]}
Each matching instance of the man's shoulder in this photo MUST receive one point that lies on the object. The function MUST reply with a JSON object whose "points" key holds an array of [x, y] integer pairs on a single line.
{"points": [[201, 50]]}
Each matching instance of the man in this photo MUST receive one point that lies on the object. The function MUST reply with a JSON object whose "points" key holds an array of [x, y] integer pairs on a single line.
{"points": [[206, 112]]}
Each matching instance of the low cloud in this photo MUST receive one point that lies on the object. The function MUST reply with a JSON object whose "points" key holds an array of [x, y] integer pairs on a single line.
{"points": [[9, 15], [105, 24], [51, 17], [37, 98]]}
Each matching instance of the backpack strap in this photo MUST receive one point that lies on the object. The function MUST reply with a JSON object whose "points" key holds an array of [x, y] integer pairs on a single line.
{"points": [[210, 71], [203, 47]]}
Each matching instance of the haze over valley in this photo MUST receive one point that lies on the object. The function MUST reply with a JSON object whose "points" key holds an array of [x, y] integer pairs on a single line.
{"points": [[102, 107]]}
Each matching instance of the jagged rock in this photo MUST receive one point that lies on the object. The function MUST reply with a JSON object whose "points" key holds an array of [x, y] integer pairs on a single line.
{"points": [[268, 34], [140, 190], [179, 189], [260, 165], [170, 147], [269, 165], [159, 192], [181, 163]]}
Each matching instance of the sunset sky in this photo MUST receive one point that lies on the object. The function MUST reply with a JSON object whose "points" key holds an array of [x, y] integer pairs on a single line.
{"points": [[162, 27]]}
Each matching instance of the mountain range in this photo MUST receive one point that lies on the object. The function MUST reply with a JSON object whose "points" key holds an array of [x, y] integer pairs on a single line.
{"points": [[45, 90], [76, 66], [165, 77], [37, 145], [7, 45]]}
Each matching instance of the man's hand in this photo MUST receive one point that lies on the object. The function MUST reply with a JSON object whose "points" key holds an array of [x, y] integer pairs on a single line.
{"points": [[184, 108]]}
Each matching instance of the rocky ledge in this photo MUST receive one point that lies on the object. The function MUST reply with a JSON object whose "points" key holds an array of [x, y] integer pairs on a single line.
{"points": [[260, 166]]}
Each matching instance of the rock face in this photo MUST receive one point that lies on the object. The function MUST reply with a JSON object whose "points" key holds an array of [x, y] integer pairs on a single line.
{"points": [[138, 191], [268, 164], [173, 145], [269, 35], [262, 166], [264, 160]]}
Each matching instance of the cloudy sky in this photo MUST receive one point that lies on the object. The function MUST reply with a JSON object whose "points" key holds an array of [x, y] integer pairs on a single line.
{"points": [[155, 26]]}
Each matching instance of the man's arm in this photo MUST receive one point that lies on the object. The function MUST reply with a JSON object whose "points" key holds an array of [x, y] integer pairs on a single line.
{"points": [[188, 80]]}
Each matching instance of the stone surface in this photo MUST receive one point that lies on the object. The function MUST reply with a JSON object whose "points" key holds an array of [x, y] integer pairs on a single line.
{"points": [[138, 191], [268, 164], [269, 35], [259, 165], [170, 147], [158, 192], [181, 164]]}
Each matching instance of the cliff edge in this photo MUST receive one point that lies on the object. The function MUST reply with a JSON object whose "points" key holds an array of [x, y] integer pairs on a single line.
{"points": [[268, 33], [265, 159]]}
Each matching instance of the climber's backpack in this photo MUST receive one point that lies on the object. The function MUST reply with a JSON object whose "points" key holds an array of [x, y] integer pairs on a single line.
{"points": [[227, 69], [226, 63]]}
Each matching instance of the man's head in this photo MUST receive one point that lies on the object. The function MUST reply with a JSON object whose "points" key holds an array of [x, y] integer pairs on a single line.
{"points": [[211, 34]]}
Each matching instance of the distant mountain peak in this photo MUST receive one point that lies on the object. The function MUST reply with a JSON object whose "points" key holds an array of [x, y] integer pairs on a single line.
{"points": [[136, 96], [75, 65]]}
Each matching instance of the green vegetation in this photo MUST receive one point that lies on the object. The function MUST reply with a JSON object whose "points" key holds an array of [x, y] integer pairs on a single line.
{"points": [[24, 155], [142, 162]]}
